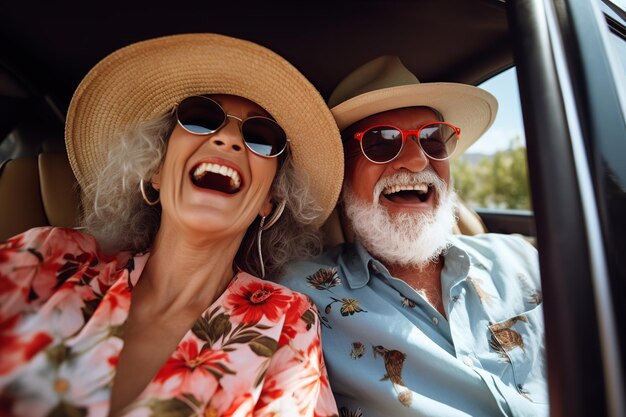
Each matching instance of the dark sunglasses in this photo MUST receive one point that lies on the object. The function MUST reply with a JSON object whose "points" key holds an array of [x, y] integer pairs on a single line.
{"points": [[383, 143], [202, 115]]}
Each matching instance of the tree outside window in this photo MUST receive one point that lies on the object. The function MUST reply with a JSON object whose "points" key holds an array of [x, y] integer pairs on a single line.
{"points": [[493, 172]]}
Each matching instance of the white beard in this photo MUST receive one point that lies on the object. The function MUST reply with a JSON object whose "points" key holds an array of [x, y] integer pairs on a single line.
{"points": [[404, 239]]}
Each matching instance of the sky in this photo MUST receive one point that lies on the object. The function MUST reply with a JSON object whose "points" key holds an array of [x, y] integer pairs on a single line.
{"points": [[620, 3], [508, 123]]}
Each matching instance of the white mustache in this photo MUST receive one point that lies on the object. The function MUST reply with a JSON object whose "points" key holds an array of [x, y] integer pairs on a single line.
{"points": [[427, 176]]}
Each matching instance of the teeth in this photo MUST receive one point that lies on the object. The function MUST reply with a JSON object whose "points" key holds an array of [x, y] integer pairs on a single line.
{"points": [[420, 188], [235, 179]]}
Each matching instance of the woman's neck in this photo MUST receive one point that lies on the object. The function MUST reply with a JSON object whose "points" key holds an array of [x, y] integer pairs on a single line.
{"points": [[185, 270]]}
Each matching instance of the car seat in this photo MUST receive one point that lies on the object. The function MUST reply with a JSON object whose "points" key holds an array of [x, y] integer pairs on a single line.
{"points": [[37, 191]]}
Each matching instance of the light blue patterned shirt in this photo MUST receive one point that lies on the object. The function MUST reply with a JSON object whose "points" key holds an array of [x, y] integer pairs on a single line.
{"points": [[390, 353]]}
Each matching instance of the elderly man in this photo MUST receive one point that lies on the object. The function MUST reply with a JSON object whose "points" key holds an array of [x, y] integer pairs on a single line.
{"points": [[418, 321]]}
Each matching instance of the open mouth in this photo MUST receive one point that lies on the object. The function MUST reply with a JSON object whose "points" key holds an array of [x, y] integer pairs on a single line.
{"points": [[413, 193], [216, 177]]}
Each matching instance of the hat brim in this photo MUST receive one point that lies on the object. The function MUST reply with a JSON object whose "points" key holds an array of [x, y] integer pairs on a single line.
{"points": [[147, 79], [471, 109]]}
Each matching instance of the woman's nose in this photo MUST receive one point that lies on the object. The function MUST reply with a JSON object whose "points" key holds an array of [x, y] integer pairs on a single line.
{"points": [[229, 137]]}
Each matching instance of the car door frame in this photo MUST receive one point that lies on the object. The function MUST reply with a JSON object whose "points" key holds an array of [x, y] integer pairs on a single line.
{"points": [[561, 57]]}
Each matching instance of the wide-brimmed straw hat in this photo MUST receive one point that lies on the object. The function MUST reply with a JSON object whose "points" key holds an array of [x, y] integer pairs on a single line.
{"points": [[386, 84], [147, 79]]}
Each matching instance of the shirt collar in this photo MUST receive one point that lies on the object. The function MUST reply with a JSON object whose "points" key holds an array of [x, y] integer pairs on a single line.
{"points": [[357, 264], [476, 258], [460, 260], [135, 267]]}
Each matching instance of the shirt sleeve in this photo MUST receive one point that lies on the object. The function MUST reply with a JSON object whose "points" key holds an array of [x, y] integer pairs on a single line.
{"points": [[296, 383], [23, 266], [37, 263]]}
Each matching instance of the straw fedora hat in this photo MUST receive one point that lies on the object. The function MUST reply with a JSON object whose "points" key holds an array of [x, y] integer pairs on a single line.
{"points": [[386, 84], [148, 78]]}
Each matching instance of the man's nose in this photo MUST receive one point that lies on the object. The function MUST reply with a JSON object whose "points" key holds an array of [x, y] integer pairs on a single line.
{"points": [[412, 157], [229, 137]]}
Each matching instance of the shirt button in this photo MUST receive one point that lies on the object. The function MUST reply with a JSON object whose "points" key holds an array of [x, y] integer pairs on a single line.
{"points": [[468, 361], [435, 321]]}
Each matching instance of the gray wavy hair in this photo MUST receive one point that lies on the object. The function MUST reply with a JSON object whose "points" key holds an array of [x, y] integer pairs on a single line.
{"points": [[117, 216]]}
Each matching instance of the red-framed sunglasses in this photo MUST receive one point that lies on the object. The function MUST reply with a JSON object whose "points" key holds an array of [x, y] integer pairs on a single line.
{"points": [[383, 143], [204, 116]]}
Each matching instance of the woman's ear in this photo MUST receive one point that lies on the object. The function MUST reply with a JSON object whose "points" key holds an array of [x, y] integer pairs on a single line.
{"points": [[156, 179], [267, 207]]}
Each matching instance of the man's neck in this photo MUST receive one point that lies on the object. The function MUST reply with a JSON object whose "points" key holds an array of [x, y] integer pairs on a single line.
{"points": [[425, 280]]}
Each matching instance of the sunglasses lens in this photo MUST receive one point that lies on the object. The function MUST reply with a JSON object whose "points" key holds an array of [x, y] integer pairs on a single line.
{"points": [[438, 140], [200, 115], [382, 143], [263, 136]]}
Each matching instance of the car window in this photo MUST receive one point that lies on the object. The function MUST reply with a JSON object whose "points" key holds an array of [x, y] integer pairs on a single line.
{"points": [[619, 45], [493, 172]]}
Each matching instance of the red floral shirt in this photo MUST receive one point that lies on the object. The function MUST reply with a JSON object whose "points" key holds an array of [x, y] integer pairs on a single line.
{"points": [[63, 305]]}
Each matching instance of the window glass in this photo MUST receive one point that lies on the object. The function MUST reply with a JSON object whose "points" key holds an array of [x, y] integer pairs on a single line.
{"points": [[493, 172], [619, 46], [615, 155]]}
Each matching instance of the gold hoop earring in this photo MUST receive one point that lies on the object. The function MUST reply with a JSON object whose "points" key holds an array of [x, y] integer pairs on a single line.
{"points": [[145, 197], [264, 226]]}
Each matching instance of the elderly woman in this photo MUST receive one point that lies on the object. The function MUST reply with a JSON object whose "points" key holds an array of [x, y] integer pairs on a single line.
{"points": [[204, 161]]}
